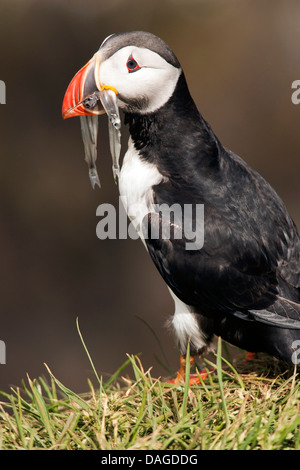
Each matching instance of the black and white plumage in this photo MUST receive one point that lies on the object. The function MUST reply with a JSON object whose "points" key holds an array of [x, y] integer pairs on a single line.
{"points": [[244, 283]]}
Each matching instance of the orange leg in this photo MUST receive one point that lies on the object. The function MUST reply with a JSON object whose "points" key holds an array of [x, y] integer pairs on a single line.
{"points": [[194, 378], [250, 356]]}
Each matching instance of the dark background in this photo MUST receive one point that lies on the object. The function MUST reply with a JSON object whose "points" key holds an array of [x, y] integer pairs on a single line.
{"points": [[240, 58]]}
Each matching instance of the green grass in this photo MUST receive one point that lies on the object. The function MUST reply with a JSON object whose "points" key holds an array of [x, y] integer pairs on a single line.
{"points": [[250, 406]]}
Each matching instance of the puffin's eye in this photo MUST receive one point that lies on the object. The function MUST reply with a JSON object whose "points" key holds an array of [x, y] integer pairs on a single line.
{"points": [[132, 65]]}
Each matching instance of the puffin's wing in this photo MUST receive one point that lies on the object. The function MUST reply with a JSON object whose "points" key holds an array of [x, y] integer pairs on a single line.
{"points": [[206, 278], [289, 268], [284, 313]]}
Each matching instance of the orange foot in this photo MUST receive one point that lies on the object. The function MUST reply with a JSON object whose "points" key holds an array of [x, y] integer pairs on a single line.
{"points": [[250, 356], [194, 378]]}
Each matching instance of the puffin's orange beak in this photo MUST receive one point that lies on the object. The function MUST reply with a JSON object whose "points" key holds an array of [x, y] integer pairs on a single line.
{"points": [[82, 95]]}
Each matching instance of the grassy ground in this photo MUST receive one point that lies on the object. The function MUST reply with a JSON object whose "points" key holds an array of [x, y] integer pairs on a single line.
{"points": [[252, 406]]}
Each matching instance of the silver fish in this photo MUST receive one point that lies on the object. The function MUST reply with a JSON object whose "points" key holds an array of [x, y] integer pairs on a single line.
{"points": [[89, 131], [109, 102]]}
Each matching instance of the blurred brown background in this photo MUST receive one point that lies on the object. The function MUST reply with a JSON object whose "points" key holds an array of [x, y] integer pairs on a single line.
{"points": [[240, 58]]}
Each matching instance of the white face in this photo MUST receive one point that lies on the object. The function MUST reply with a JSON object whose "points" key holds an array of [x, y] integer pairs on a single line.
{"points": [[151, 84]]}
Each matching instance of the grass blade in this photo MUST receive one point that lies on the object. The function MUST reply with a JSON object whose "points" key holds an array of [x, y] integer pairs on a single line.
{"points": [[87, 353], [71, 395], [220, 379], [187, 381]]}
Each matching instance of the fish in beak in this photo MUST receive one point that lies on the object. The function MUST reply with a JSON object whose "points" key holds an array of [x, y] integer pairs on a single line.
{"points": [[87, 98]]}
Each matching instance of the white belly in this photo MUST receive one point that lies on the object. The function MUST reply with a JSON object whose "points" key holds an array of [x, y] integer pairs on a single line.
{"points": [[135, 185]]}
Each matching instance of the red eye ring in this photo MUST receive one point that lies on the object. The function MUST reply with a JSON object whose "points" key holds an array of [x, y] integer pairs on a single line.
{"points": [[132, 65]]}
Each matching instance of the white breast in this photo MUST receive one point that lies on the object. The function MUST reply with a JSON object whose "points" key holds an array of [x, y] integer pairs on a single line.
{"points": [[135, 185]]}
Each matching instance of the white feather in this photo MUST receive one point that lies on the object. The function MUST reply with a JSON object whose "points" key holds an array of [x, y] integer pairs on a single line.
{"points": [[186, 326], [135, 185], [154, 82]]}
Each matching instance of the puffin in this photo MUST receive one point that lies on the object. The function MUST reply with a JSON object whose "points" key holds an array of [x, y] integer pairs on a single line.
{"points": [[232, 264]]}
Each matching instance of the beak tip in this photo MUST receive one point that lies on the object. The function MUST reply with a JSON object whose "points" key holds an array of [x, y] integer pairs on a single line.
{"points": [[64, 114], [66, 106], [72, 105]]}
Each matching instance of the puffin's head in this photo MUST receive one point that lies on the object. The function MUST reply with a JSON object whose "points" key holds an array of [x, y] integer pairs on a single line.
{"points": [[138, 67]]}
